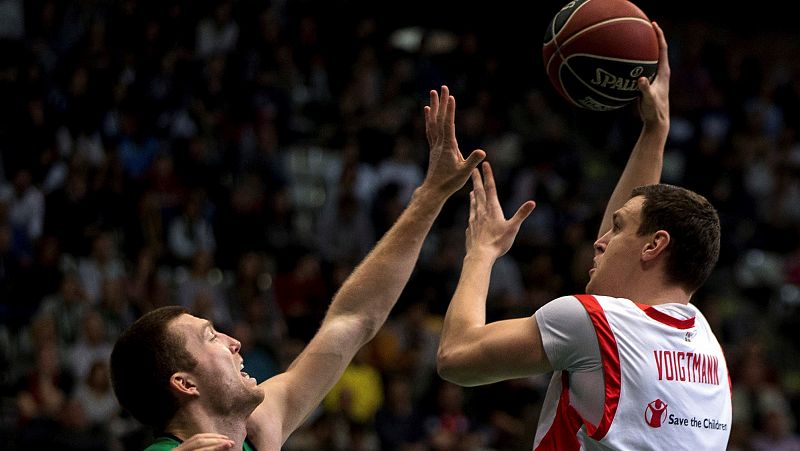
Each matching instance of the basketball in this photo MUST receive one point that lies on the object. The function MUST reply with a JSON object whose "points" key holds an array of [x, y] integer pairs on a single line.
{"points": [[596, 50]]}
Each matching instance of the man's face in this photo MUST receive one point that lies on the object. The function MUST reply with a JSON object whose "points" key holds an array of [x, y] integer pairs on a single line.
{"points": [[222, 384], [617, 254]]}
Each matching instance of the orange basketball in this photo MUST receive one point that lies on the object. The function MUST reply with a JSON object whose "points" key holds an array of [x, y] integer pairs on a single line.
{"points": [[596, 50]]}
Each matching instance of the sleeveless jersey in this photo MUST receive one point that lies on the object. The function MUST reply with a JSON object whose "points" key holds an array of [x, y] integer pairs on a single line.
{"points": [[666, 384], [167, 442]]}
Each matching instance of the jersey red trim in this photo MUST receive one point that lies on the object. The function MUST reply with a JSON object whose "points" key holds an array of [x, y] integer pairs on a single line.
{"points": [[663, 318], [562, 435], [609, 353]]}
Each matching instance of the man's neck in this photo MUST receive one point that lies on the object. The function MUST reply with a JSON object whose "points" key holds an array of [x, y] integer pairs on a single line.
{"points": [[664, 294]]}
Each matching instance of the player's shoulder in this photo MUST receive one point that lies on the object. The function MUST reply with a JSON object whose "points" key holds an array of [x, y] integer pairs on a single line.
{"points": [[579, 305], [564, 301], [593, 299], [561, 308]]}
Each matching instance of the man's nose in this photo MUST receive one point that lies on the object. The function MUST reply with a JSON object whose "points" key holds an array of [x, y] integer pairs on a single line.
{"points": [[600, 245]]}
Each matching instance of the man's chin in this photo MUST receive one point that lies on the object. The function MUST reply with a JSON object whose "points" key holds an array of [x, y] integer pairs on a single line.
{"points": [[256, 398], [259, 393], [596, 289]]}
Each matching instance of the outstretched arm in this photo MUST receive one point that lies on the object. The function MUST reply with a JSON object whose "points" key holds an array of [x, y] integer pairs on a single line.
{"points": [[364, 301], [646, 159], [472, 352]]}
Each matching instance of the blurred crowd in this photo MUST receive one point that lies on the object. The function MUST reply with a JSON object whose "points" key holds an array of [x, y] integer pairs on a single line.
{"points": [[240, 157]]}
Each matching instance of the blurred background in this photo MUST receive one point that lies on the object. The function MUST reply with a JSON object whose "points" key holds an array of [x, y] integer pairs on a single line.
{"points": [[239, 157]]}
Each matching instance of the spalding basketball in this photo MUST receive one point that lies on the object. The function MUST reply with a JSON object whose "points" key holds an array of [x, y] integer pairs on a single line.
{"points": [[596, 50]]}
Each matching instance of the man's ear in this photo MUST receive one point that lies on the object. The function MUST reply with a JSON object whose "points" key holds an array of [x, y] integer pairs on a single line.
{"points": [[658, 243], [183, 383]]}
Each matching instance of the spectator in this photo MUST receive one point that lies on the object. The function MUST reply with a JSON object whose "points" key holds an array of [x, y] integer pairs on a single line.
{"points": [[359, 392], [137, 147], [407, 345], [218, 33], [165, 185], [46, 271], [69, 216], [300, 291], [252, 302], [759, 403], [101, 265], [92, 346], [26, 207], [344, 230], [776, 433], [201, 290], [401, 168], [191, 232], [12, 312], [96, 398], [44, 390], [114, 307], [146, 227], [67, 308], [144, 281], [448, 427], [399, 423]]}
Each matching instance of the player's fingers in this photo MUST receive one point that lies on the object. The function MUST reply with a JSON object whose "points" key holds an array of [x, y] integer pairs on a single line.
{"points": [[475, 158], [663, 52], [522, 213], [477, 188], [444, 98], [207, 435], [472, 207], [206, 441], [488, 181], [450, 119], [218, 447], [427, 111], [434, 102], [645, 87], [476, 179]]}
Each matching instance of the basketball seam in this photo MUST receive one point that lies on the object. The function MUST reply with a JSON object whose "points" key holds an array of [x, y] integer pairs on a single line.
{"points": [[553, 23], [589, 28]]}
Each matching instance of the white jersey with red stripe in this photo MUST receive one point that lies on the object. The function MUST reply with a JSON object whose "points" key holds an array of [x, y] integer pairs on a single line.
{"points": [[665, 382]]}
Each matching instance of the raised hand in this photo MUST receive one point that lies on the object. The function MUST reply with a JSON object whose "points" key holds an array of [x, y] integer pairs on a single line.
{"points": [[488, 230], [647, 157], [447, 168], [654, 102]]}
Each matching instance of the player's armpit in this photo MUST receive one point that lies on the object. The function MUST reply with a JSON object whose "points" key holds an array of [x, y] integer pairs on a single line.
{"points": [[291, 396]]}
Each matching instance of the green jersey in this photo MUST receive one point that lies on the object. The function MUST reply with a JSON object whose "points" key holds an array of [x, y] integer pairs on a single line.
{"points": [[167, 442]]}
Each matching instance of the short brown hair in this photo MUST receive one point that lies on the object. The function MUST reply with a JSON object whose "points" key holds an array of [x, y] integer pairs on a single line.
{"points": [[143, 359], [693, 226]]}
